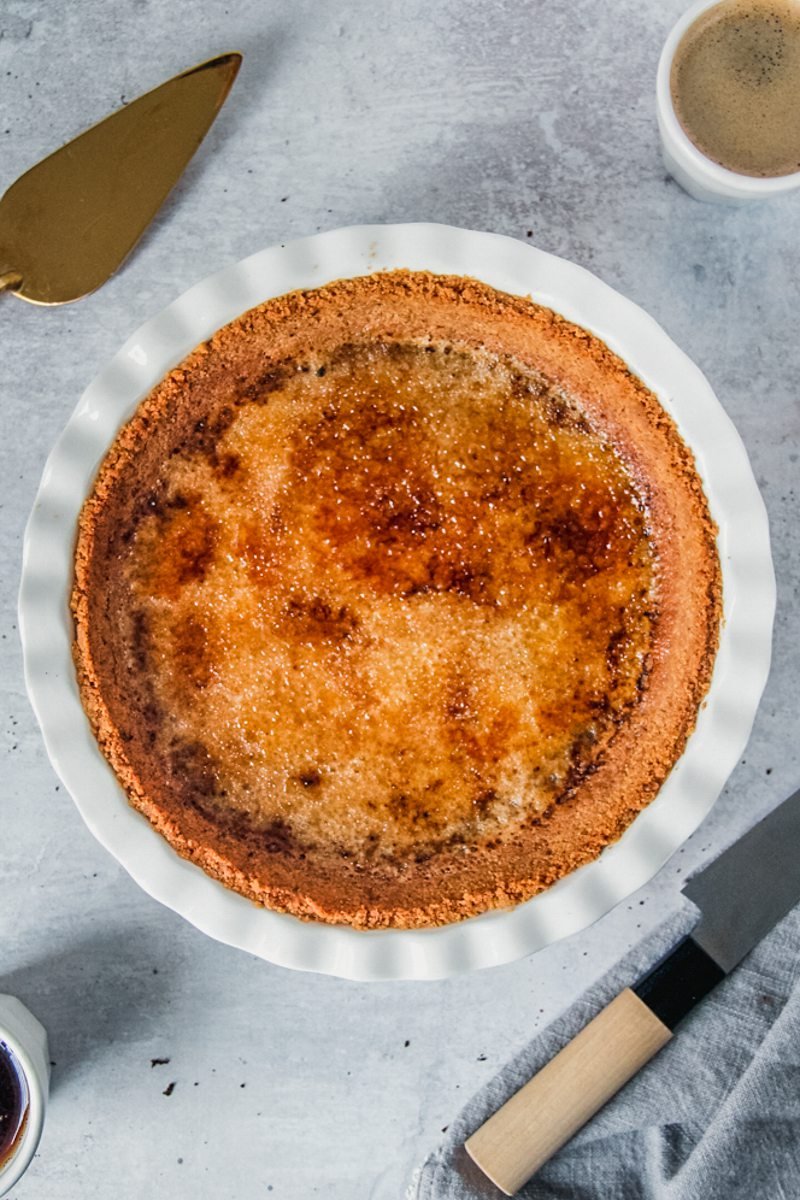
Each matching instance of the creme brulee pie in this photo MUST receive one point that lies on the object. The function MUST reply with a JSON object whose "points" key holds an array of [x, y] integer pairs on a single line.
{"points": [[395, 601]]}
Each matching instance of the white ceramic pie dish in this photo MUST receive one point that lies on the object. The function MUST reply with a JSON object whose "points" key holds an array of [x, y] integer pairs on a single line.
{"points": [[724, 723]]}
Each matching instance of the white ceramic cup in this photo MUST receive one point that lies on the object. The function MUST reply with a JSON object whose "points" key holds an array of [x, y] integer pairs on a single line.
{"points": [[27, 1041], [697, 174]]}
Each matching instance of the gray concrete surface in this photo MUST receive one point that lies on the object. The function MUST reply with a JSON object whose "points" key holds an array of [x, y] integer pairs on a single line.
{"points": [[510, 116]]}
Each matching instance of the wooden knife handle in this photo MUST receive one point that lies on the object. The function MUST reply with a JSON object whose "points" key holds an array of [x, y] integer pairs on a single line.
{"points": [[547, 1111]]}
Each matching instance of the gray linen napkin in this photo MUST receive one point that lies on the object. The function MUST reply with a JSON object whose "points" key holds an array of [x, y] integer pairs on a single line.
{"points": [[714, 1116]]}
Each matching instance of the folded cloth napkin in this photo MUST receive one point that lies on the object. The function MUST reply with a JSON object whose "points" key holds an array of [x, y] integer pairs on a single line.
{"points": [[714, 1116]]}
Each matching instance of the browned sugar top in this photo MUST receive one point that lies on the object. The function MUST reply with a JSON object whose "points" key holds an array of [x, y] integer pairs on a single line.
{"points": [[402, 598]]}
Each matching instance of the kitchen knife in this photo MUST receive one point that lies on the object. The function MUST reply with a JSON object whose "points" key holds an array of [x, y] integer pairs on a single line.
{"points": [[70, 221], [741, 895]]}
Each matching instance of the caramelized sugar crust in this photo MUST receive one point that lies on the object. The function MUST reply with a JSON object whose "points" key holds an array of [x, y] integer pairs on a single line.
{"points": [[395, 601]]}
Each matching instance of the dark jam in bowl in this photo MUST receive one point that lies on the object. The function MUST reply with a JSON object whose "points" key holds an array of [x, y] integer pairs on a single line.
{"points": [[13, 1103]]}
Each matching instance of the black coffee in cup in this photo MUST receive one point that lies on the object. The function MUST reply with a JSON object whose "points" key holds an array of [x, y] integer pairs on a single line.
{"points": [[13, 1103], [735, 84]]}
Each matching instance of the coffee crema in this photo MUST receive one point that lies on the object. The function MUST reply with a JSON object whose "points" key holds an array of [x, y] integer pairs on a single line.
{"points": [[735, 84]]}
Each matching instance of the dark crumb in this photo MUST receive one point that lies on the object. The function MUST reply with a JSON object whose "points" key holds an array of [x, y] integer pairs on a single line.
{"points": [[158, 1062], [155, 970], [406, 1044], [242, 1085], [196, 1083], [769, 770], [169, 1089], [529, 233], [445, 1128], [481, 1058]]}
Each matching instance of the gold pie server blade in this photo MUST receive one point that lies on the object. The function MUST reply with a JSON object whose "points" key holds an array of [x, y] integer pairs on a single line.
{"points": [[69, 222]]}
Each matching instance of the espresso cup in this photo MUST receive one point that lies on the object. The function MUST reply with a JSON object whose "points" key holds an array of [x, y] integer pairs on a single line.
{"points": [[697, 174], [23, 1043]]}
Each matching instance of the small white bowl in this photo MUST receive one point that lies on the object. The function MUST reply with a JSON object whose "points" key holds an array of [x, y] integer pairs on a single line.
{"points": [[697, 174], [723, 724], [26, 1039]]}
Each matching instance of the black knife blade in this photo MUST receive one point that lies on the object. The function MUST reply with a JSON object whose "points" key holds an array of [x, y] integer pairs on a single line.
{"points": [[741, 895]]}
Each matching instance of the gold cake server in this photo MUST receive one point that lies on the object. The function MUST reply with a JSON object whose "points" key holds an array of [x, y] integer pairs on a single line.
{"points": [[69, 222]]}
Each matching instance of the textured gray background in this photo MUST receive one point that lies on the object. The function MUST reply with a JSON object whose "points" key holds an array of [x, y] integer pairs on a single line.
{"points": [[508, 116]]}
